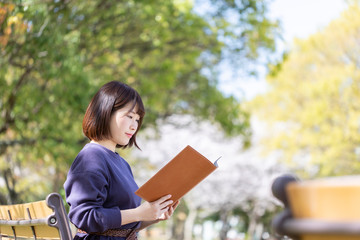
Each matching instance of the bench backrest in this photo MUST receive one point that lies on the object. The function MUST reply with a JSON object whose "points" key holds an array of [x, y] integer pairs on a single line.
{"points": [[38, 220]]}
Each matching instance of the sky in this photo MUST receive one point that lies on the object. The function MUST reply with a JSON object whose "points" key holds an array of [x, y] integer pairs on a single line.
{"points": [[299, 19]]}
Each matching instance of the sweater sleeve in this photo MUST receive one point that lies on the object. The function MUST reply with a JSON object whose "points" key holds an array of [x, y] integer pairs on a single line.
{"points": [[86, 193]]}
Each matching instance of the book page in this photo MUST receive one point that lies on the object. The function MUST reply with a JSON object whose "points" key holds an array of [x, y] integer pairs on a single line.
{"points": [[215, 163]]}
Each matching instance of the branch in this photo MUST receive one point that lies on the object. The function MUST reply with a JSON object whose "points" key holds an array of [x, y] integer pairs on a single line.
{"points": [[9, 120], [9, 143], [42, 28]]}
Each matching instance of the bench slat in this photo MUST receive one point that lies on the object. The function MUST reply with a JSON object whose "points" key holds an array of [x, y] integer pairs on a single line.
{"points": [[24, 223]]}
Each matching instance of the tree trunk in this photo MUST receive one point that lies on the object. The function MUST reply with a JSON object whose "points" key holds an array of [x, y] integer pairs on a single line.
{"points": [[3, 200], [224, 218], [258, 231], [10, 183], [177, 228], [189, 224], [251, 231]]}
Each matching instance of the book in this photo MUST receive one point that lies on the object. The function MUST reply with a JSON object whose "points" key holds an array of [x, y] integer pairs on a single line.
{"points": [[178, 176]]}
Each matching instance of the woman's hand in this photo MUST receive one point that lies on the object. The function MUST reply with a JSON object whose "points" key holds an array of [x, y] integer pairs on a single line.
{"points": [[150, 211], [165, 216], [170, 212]]}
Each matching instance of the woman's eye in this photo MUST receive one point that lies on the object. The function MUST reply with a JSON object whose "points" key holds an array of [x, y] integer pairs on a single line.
{"points": [[134, 117]]}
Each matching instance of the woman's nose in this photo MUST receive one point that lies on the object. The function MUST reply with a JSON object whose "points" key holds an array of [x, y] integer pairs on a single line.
{"points": [[134, 125]]}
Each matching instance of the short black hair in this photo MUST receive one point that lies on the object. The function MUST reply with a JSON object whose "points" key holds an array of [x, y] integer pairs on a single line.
{"points": [[110, 97]]}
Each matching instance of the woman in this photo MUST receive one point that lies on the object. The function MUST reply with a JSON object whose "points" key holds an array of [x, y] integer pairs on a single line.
{"points": [[100, 185]]}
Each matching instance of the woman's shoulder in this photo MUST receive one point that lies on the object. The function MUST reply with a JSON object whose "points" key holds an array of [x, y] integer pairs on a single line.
{"points": [[92, 148], [92, 158]]}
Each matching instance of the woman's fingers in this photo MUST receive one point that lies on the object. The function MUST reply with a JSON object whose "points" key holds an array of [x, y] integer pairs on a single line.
{"points": [[176, 204], [164, 207], [168, 213], [163, 199], [165, 204], [164, 216]]}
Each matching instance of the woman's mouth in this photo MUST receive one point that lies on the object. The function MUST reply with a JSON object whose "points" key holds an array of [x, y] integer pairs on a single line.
{"points": [[129, 135]]}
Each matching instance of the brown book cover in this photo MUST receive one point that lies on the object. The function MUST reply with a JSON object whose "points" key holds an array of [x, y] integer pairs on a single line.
{"points": [[177, 177]]}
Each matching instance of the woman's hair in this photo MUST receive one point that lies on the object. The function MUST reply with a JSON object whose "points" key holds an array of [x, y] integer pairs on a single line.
{"points": [[111, 97]]}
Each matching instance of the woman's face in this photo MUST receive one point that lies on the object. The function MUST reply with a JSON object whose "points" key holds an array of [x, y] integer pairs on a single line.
{"points": [[123, 124]]}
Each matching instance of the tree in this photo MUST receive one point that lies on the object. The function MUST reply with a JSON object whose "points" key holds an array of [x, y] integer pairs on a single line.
{"points": [[314, 100], [56, 54]]}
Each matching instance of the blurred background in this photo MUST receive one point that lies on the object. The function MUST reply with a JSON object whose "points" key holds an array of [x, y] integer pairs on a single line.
{"points": [[271, 86]]}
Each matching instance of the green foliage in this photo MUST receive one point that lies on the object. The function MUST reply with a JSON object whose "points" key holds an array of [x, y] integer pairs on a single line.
{"points": [[315, 96], [56, 54]]}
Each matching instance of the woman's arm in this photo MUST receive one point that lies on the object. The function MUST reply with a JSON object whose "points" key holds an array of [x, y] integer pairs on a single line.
{"points": [[86, 194]]}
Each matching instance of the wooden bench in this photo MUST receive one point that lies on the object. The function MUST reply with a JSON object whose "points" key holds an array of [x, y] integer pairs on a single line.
{"points": [[45, 219], [318, 210]]}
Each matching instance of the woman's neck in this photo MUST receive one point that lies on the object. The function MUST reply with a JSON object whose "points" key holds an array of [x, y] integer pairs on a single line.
{"points": [[106, 143]]}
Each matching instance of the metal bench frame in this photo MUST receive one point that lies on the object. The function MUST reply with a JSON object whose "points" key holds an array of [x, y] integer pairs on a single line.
{"points": [[58, 219]]}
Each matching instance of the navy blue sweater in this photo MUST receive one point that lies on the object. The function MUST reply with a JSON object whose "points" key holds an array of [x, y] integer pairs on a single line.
{"points": [[99, 184]]}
